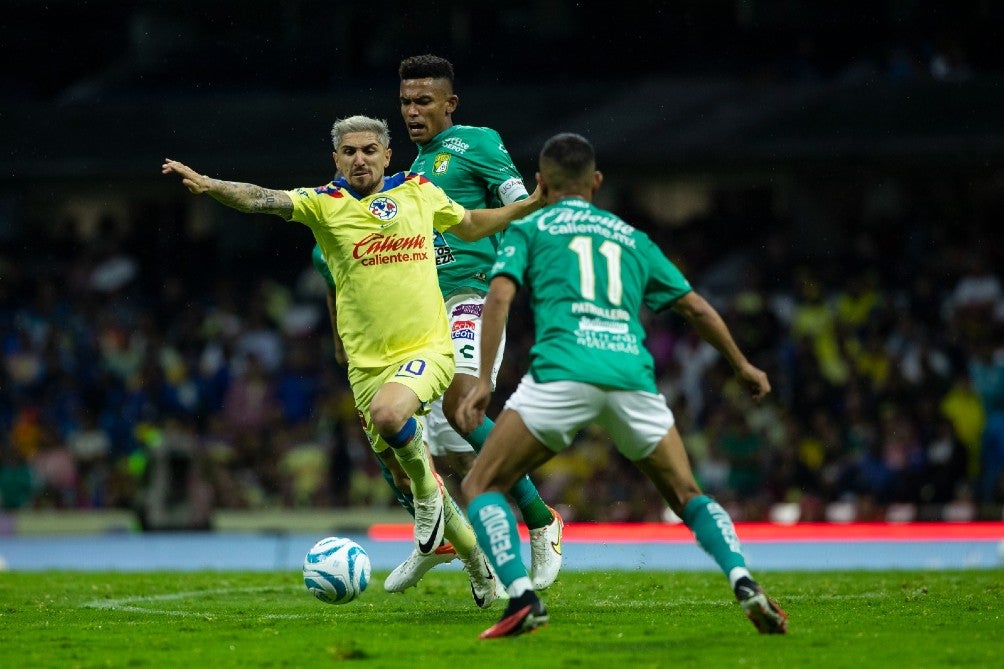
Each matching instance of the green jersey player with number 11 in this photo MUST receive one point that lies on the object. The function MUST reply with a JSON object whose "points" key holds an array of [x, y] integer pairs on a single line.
{"points": [[473, 167], [590, 274]]}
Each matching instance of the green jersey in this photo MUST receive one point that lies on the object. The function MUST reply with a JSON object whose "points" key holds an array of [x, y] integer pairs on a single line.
{"points": [[474, 168], [321, 265], [589, 273]]}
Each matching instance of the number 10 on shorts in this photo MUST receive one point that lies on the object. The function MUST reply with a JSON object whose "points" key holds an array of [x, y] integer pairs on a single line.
{"points": [[412, 368]]}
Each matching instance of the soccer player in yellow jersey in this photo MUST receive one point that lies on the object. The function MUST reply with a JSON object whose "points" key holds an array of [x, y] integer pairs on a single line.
{"points": [[376, 235]]}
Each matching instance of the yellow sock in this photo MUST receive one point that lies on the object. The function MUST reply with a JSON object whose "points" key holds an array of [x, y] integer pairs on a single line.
{"points": [[457, 531], [415, 463]]}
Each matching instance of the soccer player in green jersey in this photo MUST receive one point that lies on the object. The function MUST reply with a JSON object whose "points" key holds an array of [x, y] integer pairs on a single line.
{"points": [[375, 234], [590, 274], [473, 167]]}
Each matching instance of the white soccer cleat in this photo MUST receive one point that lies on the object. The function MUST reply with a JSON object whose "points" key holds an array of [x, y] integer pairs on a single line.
{"points": [[410, 572], [545, 552], [430, 522], [483, 581], [500, 591]]}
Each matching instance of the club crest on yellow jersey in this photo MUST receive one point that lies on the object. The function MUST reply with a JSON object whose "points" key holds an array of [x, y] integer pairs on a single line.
{"points": [[441, 163], [383, 208]]}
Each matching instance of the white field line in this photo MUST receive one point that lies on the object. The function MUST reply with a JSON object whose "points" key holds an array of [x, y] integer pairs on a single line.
{"points": [[134, 604]]}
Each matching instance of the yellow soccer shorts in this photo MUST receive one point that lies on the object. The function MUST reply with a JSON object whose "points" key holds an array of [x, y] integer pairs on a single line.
{"points": [[427, 374]]}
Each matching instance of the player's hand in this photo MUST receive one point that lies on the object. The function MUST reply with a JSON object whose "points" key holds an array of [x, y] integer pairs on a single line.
{"points": [[472, 407], [538, 197], [190, 179], [754, 380]]}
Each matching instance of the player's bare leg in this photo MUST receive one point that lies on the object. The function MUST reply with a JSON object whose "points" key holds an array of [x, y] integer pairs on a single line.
{"points": [[511, 451], [544, 522], [669, 469]]}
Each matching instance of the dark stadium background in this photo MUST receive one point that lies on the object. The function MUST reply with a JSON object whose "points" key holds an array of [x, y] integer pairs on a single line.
{"points": [[830, 174]]}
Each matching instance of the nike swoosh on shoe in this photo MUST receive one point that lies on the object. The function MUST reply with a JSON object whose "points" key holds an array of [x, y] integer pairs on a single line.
{"points": [[425, 547]]}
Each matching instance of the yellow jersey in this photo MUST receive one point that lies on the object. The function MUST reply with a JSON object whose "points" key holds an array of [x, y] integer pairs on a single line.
{"points": [[379, 249]]}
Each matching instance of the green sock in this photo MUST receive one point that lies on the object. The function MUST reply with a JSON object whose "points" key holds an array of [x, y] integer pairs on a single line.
{"points": [[531, 506], [479, 435], [715, 532], [495, 527], [405, 499], [535, 513]]}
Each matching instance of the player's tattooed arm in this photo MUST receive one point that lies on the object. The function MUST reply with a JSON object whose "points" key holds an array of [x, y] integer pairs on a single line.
{"points": [[250, 198], [240, 196]]}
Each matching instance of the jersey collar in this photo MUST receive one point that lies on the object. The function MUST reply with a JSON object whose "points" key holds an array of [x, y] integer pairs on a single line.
{"points": [[388, 183]]}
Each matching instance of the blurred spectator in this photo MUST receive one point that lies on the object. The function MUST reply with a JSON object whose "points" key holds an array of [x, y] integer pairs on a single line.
{"points": [[743, 450], [17, 484], [975, 300], [991, 477], [964, 408], [54, 472], [174, 494], [945, 465], [304, 466], [258, 339], [90, 447], [250, 404], [986, 370], [857, 303], [298, 382], [814, 323]]}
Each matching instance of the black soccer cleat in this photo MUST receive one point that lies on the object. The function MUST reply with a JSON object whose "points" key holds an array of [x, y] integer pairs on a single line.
{"points": [[763, 612], [523, 614]]}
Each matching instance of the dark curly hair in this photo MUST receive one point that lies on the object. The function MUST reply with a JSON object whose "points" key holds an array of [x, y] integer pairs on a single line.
{"points": [[425, 67]]}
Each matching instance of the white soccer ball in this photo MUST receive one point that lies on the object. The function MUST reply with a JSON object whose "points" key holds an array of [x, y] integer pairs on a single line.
{"points": [[336, 570]]}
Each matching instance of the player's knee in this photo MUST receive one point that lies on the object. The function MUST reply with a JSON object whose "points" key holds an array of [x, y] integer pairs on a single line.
{"points": [[387, 420], [462, 384]]}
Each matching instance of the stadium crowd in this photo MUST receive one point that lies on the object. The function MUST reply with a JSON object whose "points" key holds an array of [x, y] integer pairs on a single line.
{"points": [[131, 379]]}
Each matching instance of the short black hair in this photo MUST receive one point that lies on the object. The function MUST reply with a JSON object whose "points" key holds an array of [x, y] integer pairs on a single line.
{"points": [[571, 154], [425, 67]]}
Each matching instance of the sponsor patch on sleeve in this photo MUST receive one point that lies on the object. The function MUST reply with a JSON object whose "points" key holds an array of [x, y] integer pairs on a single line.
{"points": [[512, 190]]}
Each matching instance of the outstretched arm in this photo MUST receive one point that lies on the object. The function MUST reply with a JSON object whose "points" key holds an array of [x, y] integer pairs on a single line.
{"points": [[712, 329], [480, 223], [471, 411], [244, 197]]}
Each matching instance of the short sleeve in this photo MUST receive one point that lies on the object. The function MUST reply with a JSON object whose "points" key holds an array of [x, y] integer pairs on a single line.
{"points": [[499, 171], [306, 206], [445, 212], [666, 283]]}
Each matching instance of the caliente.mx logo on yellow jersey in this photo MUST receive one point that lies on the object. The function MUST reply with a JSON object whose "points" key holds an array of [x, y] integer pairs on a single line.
{"points": [[441, 163]]}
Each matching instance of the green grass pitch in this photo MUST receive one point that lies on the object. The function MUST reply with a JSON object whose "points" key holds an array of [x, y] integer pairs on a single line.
{"points": [[598, 619]]}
